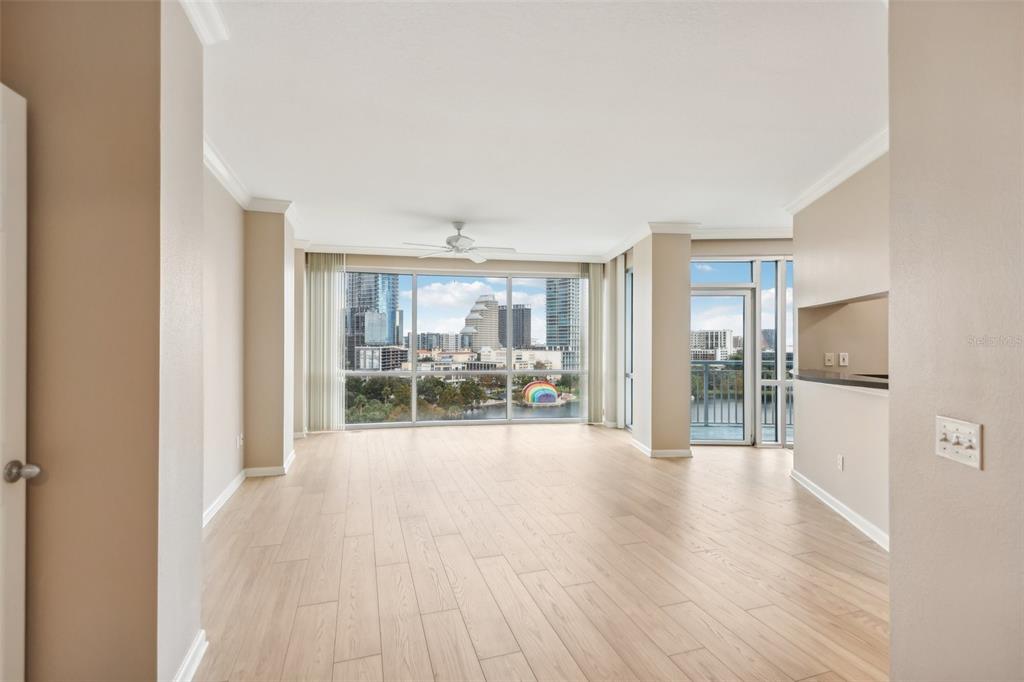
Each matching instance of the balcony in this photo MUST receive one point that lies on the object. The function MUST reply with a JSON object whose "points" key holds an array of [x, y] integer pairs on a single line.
{"points": [[716, 403]]}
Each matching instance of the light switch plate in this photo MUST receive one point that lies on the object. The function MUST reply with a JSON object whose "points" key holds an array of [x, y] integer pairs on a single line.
{"points": [[844, 359], [958, 440], [830, 359]]}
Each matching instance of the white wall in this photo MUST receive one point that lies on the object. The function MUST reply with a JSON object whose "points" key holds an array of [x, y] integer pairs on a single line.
{"points": [[179, 554], [223, 345], [957, 128]]}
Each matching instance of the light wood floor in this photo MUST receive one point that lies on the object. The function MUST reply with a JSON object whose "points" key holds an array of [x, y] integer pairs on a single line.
{"points": [[542, 552]]}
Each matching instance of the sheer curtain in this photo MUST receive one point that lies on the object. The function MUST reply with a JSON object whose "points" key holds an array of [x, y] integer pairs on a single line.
{"points": [[324, 300], [594, 273]]}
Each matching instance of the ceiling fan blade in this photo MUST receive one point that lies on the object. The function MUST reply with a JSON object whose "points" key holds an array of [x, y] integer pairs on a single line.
{"points": [[426, 246], [475, 257], [507, 249], [434, 254]]}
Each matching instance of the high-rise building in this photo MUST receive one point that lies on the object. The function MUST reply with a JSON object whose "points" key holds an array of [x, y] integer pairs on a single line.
{"points": [[380, 358], [482, 323], [521, 325], [564, 320], [711, 339], [372, 315]]}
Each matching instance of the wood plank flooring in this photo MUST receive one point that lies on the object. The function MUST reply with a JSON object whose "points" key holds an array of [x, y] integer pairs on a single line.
{"points": [[537, 552]]}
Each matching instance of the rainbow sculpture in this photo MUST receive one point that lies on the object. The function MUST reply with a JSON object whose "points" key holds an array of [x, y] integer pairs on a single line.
{"points": [[540, 393]]}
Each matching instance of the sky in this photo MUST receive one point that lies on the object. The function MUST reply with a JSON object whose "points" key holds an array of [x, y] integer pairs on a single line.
{"points": [[726, 312], [444, 301]]}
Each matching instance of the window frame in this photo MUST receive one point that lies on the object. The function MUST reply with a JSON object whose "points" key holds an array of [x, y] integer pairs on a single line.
{"points": [[414, 373], [780, 381]]}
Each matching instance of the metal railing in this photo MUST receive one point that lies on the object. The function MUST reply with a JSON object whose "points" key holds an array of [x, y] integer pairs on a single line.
{"points": [[716, 399], [716, 393]]}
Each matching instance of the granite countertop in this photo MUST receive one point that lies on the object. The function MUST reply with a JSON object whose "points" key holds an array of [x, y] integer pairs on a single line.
{"points": [[821, 376]]}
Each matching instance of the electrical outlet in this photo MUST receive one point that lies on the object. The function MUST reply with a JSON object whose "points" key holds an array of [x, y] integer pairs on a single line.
{"points": [[840, 462], [830, 359], [959, 441], [240, 441], [844, 359]]}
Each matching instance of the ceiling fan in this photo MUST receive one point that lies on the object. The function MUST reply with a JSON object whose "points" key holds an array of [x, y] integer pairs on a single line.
{"points": [[460, 246]]}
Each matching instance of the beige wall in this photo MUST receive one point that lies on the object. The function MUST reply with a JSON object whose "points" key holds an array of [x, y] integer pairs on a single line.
{"points": [[841, 252], [841, 241], [860, 328], [852, 422], [706, 248], [181, 339], [269, 338], [661, 337], [223, 341], [956, 73], [91, 74]]}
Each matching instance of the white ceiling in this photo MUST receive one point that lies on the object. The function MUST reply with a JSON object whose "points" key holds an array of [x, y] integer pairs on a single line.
{"points": [[555, 128]]}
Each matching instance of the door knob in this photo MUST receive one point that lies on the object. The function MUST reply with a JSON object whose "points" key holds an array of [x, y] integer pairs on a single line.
{"points": [[14, 470]]}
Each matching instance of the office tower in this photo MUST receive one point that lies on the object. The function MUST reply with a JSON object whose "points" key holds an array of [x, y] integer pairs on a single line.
{"points": [[482, 323], [372, 315], [521, 325], [564, 319]]}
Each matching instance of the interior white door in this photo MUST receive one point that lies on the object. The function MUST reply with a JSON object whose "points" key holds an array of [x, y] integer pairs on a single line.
{"points": [[13, 254]]}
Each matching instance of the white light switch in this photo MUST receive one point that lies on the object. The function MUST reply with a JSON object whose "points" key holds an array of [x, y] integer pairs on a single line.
{"points": [[844, 359], [958, 440], [830, 359]]}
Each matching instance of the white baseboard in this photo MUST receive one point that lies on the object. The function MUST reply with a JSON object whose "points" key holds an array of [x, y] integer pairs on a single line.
{"points": [[671, 453], [224, 496], [236, 482], [610, 423], [640, 446], [256, 472], [194, 655], [298, 435], [879, 536], [654, 454]]}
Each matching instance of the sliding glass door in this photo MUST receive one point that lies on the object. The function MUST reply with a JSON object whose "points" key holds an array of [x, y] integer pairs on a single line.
{"points": [[720, 403], [742, 350]]}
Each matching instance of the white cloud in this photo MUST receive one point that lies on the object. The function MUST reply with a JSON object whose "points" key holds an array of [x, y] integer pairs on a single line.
{"points": [[703, 267], [452, 294], [719, 317]]}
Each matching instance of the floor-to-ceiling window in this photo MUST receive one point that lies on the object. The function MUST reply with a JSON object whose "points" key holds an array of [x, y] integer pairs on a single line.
{"points": [[720, 351], [375, 348], [741, 350], [433, 348]]}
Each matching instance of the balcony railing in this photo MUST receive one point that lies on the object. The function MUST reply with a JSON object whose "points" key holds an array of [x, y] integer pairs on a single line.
{"points": [[716, 402]]}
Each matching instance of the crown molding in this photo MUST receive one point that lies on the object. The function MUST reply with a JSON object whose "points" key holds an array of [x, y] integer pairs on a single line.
{"points": [[673, 228], [207, 21], [264, 205], [743, 233], [853, 162], [227, 178], [696, 232], [413, 253], [626, 243]]}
